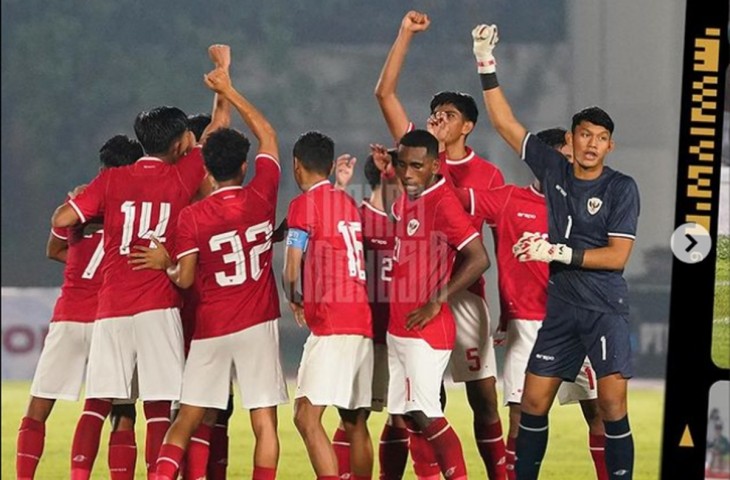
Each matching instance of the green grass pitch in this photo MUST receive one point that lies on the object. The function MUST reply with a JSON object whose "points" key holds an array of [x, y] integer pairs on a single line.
{"points": [[721, 312], [567, 456]]}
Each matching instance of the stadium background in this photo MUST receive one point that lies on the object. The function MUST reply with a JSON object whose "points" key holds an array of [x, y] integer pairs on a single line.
{"points": [[74, 73]]}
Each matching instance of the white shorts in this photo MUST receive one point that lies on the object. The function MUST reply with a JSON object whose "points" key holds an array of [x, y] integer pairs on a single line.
{"points": [[521, 336], [62, 364], [416, 371], [380, 377], [337, 370], [584, 387], [473, 355], [151, 342], [251, 356]]}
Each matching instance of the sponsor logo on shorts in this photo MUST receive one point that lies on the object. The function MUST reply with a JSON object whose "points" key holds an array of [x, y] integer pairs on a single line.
{"points": [[547, 358]]}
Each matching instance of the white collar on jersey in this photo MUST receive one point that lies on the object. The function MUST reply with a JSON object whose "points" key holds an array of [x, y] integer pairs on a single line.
{"points": [[319, 184], [470, 154], [534, 190], [369, 206], [150, 159], [227, 189], [433, 187]]}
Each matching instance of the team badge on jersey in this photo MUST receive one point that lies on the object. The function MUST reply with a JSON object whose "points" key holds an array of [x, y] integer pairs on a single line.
{"points": [[594, 205], [412, 227]]}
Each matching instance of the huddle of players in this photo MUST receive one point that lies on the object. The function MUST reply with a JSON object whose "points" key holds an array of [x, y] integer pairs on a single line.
{"points": [[426, 247]]}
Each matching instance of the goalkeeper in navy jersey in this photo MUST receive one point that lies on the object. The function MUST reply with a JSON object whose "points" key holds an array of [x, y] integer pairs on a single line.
{"points": [[592, 219]]}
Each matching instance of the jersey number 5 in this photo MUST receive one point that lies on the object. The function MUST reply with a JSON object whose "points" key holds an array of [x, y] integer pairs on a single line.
{"points": [[237, 255]]}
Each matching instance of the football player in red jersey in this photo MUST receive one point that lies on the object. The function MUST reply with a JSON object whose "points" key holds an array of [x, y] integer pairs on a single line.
{"points": [[62, 364], [431, 227], [325, 234], [138, 321], [224, 244], [473, 360]]}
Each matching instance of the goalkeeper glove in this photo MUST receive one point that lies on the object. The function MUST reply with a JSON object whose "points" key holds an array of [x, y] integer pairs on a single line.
{"points": [[533, 247], [485, 38]]}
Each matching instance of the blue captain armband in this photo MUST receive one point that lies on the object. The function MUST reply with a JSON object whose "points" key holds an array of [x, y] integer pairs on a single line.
{"points": [[297, 238]]}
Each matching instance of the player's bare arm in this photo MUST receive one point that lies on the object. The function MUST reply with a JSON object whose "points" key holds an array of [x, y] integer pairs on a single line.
{"points": [[485, 38], [220, 116], [474, 265], [289, 280], [220, 82], [385, 90], [56, 248], [391, 186], [344, 169]]}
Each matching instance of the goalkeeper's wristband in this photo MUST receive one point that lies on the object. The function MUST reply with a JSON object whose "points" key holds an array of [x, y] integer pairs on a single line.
{"points": [[489, 80], [576, 260]]}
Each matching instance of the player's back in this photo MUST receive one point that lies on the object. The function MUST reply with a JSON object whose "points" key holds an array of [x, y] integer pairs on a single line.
{"points": [[138, 201], [379, 239], [335, 296], [78, 300], [232, 231]]}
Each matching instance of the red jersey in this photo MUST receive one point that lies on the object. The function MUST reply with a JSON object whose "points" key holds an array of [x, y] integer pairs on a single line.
{"points": [[81, 277], [231, 231], [334, 289], [378, 233], [515, 210], [429, 231], [473, 171], [138, 201]]}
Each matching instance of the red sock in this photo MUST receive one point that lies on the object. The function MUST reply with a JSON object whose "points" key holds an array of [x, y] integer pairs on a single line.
{"points": [[158, 421], [196, 463], [122, 455], [218, 457], [393, 452], [447, 446], [87, 436], [425, 463], [263, 473], [168, 462], [597, 444], [510, 451], [341, 446], [31, 437], [491, 448]]}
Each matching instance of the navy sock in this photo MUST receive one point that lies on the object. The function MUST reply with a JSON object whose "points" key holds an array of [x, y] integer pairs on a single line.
{"points": [[619, 449], [531, 445]]}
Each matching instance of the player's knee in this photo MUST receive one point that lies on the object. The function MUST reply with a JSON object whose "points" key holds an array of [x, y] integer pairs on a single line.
{"points": [[305, 419], [611, 408]]}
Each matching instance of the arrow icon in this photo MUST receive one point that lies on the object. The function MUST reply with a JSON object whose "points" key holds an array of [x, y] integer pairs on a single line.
{"points": [[692, 242]]}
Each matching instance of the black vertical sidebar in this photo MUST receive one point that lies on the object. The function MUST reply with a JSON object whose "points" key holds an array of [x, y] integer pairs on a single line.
{"points": [[690, 369]]}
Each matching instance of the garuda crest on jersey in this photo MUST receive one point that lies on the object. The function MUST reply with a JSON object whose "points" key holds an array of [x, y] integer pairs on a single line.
{"points": [[594, 205]]}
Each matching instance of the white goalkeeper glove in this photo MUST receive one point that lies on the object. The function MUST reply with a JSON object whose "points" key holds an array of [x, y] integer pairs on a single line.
{"points": [[485, 38], [532, 247]]}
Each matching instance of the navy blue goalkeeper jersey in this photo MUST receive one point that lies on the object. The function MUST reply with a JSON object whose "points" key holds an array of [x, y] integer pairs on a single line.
{"points": [[584, 214]]}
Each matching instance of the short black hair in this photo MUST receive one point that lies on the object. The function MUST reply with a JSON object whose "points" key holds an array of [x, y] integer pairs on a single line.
{"points": [[158, 128], [421, 138], [595, 115], [463, 102], [197, 124], [372, 174], [224, 152], [120, 150], [553, 137], [315, 151]]}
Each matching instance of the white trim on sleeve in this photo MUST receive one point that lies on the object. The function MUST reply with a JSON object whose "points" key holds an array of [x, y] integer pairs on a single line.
{"points": [[468, 239], [60, 237], [187, 252], [270, 157], [76, 208], [524, 146], [622, 235]]}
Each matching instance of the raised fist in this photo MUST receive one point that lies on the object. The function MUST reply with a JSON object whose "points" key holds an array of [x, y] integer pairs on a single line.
{"points": [[220, 55], [485, 38], [415, 22]]}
